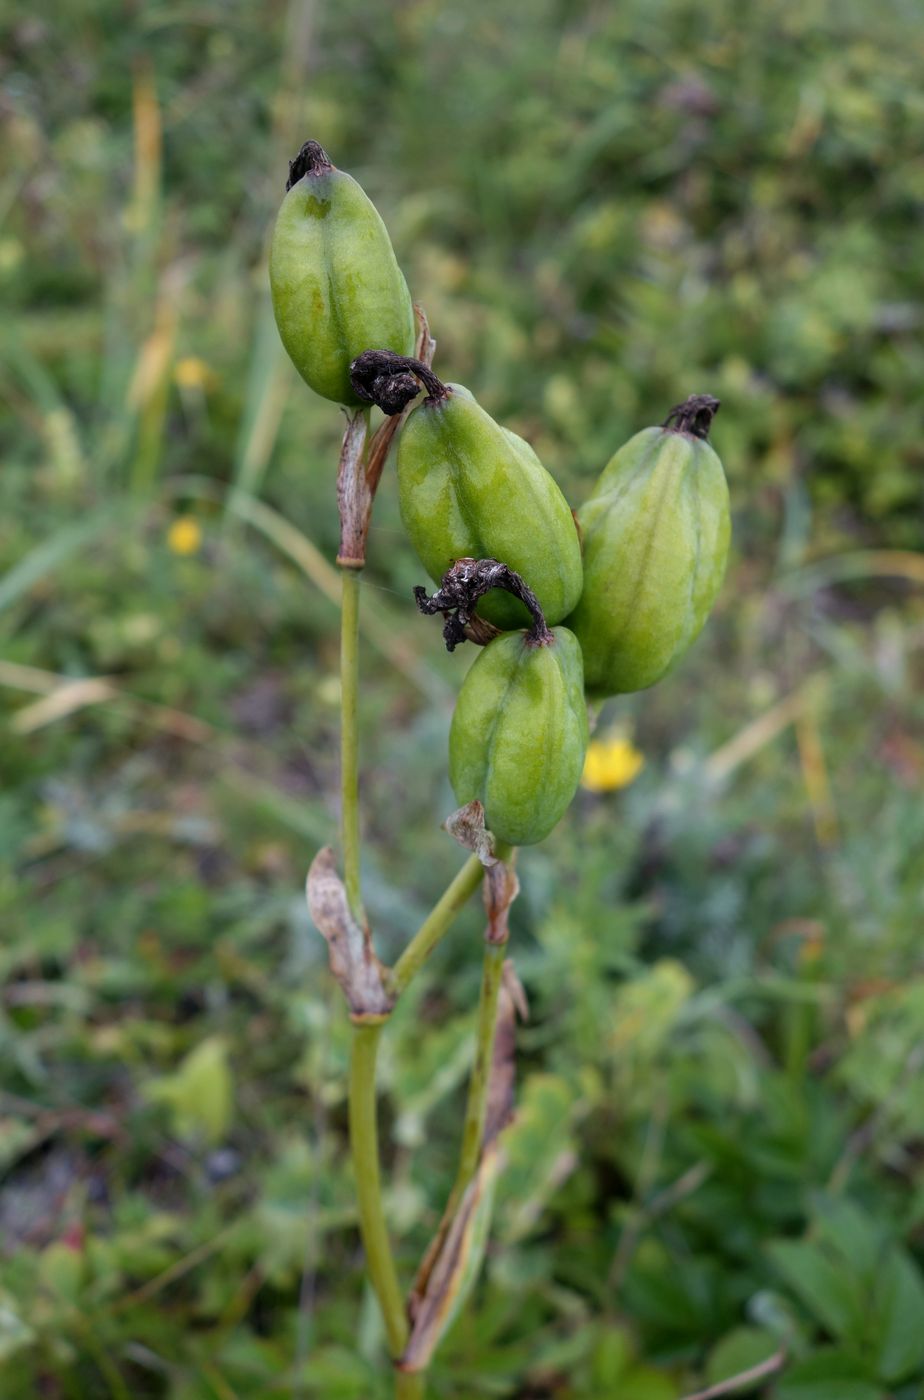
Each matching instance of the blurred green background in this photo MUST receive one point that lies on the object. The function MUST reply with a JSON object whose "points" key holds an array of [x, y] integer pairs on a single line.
{"points": [[719, 1155]]}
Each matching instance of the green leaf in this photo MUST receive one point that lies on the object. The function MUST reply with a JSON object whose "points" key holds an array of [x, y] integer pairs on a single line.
{"points": [[17, 1137], [615, 1372], [738, 1351], [14, 1332], [776, 1314], [336, 1373], [851, 1232], [200, 1094], [827, 1289], [62, 1269], [827, 1375], [644, 1383], [540, 1153], [900, 1314], [611, 1356], [647, 1009], [55, 550]]}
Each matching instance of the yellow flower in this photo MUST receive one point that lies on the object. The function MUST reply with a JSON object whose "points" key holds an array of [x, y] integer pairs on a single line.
{"points": [[184, 535], [612, 762], [193, 373]]}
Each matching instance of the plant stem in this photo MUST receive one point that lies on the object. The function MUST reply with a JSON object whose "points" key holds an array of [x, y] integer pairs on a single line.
{"points": [[364, 1145], [410, 1385], [435, 924], [363, 1124], [364, 1136], [477, 1105], [349, 742]]}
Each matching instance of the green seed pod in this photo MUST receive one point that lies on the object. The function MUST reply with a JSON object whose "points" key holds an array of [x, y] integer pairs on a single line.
{"points": [[337, 288], [656, 531], [519, 733], [470, 488]]}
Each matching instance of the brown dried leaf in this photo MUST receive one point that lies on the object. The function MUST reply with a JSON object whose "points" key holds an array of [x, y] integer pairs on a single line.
{"points": [[515, 990], [501, 888], [510, 1003], [354, 496], [480, 631], [426, 345], [63, 701], [358, 480], [352, 959], [456, 1266], [466, 825]]}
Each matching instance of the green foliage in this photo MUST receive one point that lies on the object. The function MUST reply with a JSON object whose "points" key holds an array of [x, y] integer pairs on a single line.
{"points": [[717, 1151], [740, 1351], [199, 1094]]}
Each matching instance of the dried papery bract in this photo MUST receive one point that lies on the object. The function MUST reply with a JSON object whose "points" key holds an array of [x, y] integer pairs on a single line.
{"points": [[354, 498], [352, 958], [360, 469], [467, 826], [501, 888]]}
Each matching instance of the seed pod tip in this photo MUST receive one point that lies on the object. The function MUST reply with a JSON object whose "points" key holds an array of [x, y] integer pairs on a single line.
{"points": [[694, 416], [312, 159]]}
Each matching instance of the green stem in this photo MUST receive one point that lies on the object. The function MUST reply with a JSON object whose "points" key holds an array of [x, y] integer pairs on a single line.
{"points": [[364, 1145], [349, 742], [477, 1106], [410, 1385], [435, 924]]}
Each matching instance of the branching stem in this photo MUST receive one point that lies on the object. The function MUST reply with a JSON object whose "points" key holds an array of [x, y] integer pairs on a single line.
{"points": [[435, 925]]}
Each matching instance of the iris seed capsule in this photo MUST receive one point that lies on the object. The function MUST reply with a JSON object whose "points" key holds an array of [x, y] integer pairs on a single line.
{"points": [[656, 532], [469, 488], [336, 285], [519, 734]]}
